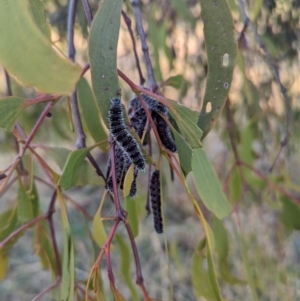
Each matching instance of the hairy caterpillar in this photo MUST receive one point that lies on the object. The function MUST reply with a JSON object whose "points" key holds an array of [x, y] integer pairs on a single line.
{"points": [[121, 135], [155, 201], [122, 165], [164, 132], [151, 103], [138, 121]]}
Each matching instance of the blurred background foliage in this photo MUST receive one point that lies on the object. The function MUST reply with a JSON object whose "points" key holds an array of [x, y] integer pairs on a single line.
{"points": [[258, 244]]}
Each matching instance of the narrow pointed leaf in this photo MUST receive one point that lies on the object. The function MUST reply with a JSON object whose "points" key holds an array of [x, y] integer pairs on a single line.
{"points": [[208, 185], [25, 208], [3, 265], [9, 222], [44, 249], [99, 233], [132, 215], [10, 109], [222, 248], [117, 295], [90, 112], [125, 267], [200, 277], [28, 55], [128, 181], [82, 172], [221, 52], [174, 81], [68, 262], [103, 42], [186, 122]]}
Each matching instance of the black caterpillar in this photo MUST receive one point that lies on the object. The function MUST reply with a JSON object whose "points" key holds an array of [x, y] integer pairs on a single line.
{"points": [[156, 202], [151, 103], [163, 129], [138, 121], [164, 132], [122, 136], [123, 163]]}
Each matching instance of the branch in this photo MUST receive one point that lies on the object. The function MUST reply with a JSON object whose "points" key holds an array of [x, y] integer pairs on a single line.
{"points": [[128, 23], [140, 29], [80, 142], [88, 11], [269, 182], [37, 125], [275, 70]]}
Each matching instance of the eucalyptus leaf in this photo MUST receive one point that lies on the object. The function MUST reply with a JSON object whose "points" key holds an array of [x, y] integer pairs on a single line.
{"points": [[208, 185], [10, 109], [27, 54], [221, 50], [103, 43]]}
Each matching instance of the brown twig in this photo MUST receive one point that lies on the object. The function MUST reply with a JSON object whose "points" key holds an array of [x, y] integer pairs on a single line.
{"points": [[140, 29], [37, 125], [269, 182], [88, 12], [128, 23], [52, 286]]}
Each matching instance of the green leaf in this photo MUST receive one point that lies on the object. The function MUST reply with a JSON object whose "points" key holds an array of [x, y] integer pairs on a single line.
{"points": [[200, 276], [221, 52], [125, 267], [10, 109], [35, 200], [9, 222], [44, 249], [182, 9], [208, 185], [117, 295], [85, 175], [68, 262], [71, 169], [25, 208], [290, 214], [186, 121], [235, 187], [38, 13], [185, 152], [27, 54], [174, 81], [99, 233], [128, 180], [3, 265], [222, 247], [132, 215], [90, 113], [103, 42]]}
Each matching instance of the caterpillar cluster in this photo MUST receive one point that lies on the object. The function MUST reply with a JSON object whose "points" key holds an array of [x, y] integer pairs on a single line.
{"points": [[122, 136], [157, 108], [127, 150], [156, 202]]}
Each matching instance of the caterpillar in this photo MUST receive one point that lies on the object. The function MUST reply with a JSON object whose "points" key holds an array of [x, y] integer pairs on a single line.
{"points": [[151, 103], [164, 132], [121, 135], [156, 202], [138, 121], [122, 165]]}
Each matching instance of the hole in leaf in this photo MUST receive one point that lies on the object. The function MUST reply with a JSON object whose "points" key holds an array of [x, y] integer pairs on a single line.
{"points": [[208, 107], [225, 60]]}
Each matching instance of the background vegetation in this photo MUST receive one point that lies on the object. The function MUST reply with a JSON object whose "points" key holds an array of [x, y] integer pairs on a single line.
{"points": [[254, 147]]}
